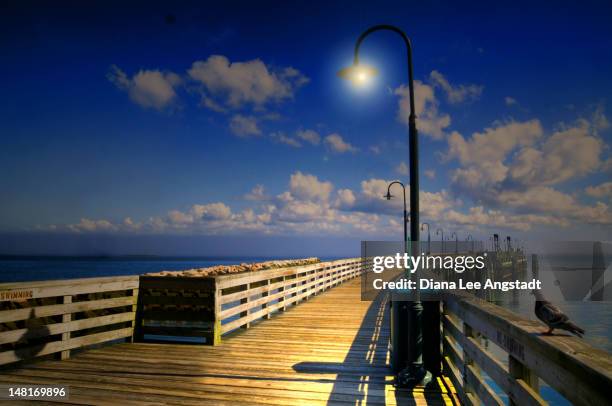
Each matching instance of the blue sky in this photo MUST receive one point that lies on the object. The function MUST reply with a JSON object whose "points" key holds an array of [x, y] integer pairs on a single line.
{"points": [[217, 120]]}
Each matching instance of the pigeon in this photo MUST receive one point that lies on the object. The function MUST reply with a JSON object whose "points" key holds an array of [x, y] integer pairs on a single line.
{"points": [[553, 317]]}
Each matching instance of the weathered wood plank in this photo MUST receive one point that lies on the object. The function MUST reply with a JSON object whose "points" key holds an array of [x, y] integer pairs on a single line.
{"points": [[68, 287], [60, 309], [12, 336], [8, 357]]}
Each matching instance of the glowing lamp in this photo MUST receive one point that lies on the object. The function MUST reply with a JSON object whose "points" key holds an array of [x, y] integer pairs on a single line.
{"points": [[359, 75]]}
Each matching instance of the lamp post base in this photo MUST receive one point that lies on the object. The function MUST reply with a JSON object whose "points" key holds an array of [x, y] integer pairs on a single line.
{"points": [[412, 376]]}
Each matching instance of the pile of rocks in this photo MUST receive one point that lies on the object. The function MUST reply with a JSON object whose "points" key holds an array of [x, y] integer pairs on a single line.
{"points": [[230, 269]]}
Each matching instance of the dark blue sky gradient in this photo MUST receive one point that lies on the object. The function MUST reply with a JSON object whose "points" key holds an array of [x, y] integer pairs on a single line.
{"points": [[74, 146]]}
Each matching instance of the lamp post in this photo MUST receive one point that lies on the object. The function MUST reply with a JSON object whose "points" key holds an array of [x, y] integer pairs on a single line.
{"points": [[428, 236], [469, 237], [414, 373], [440, 231], [456, 242], [388, 196]]}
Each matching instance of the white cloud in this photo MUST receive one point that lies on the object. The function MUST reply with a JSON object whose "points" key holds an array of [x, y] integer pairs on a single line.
{"points": [[455, 94], [430, 173], [251, 82], [375, 149], [513, 166], [216, 211], [283, 139], [345, 199], [310, 136], [244, 126], [566, 154], [147, 88], [309, 187], [336, 143], [479, 216], [482, 156], [603, 190], [429, 120], [402, 168], [87, 225], [256, 194], [510, 101]]}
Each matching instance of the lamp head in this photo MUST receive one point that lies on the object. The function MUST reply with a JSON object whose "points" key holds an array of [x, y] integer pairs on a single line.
{"points": [[388, 196], [359, 75]]}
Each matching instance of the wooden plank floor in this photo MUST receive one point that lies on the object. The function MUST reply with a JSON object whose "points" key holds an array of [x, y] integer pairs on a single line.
{"points": [[329, 350]]}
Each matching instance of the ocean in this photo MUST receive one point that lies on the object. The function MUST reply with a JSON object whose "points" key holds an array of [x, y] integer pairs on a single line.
{"points": [[24, 269]]}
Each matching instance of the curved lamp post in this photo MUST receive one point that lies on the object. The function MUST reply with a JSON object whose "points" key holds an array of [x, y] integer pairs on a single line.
{"points": [[414, 373], [388, 196], [469, 237], [440, 231], [428, 236], [456, 242]]}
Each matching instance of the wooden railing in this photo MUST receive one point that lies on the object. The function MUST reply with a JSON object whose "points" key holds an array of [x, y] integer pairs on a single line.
{"points": [[576, 370], [42, 318], [208, 307]]}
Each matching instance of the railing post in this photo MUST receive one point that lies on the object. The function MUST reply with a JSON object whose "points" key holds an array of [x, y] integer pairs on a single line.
{"points": [[518, 370], [243, 301], [135, 310], [468, 389], [216, 322], [264, 294], [66, 318], [283, 299]]}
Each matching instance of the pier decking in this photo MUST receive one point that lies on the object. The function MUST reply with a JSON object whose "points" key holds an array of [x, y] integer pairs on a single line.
{"points": [[331, 349]]}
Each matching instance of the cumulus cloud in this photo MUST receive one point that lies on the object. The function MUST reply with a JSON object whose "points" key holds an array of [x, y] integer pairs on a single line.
{"points": [[236, 84], [244, 126], [87, 225], [402, 168], [455, 94], [482, 155], [147, 88], [309, 187], [345, 199], [336, 143], [284, 139], [309, 136], [477, 217], [256, 194], [510, 101], [566, 154], [430, 173], [429, 119], [514, 166], [603, 190]]}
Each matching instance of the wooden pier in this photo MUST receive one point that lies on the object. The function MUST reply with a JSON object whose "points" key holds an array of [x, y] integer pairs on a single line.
{"points": [[331, 349], [289, 336]]}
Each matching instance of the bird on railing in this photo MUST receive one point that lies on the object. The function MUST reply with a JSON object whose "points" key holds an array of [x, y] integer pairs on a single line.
{"points": [[553, 317]]}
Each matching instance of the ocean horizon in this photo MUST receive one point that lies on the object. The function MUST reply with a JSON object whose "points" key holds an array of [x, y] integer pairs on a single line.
{"points": [[23, 268]]}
